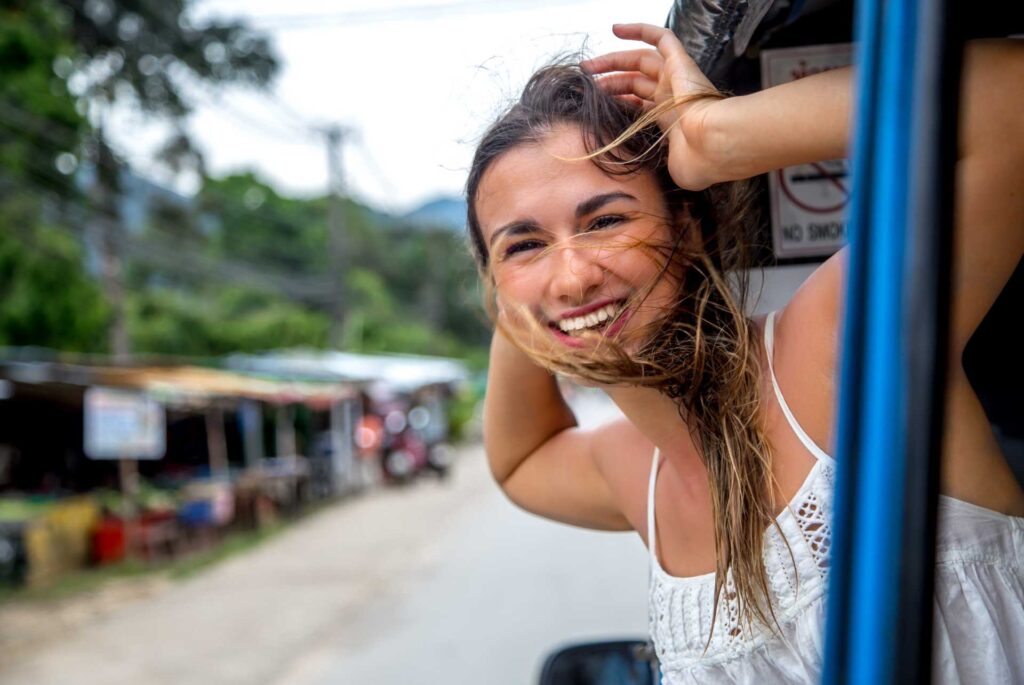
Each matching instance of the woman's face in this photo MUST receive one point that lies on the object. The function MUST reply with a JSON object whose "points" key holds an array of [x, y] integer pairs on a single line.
{"points": [[565, 241]]}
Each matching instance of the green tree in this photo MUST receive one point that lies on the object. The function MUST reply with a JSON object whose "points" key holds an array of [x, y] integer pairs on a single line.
{"points": [[149, 54], [220, 321], [411, 289], [38, 120], [46, 296], [252, 222]]}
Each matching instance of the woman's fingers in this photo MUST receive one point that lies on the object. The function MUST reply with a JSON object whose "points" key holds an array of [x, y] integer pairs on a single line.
{"points": [[629, 83], [648, 33], [682, 72], [634, 101], [647, 62], [657, 37]]}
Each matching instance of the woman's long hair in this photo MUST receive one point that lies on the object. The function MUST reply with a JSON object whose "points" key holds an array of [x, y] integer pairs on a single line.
{"points": [[702, 351]]}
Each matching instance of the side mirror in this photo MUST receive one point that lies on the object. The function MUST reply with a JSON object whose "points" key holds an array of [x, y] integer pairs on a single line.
{"points": [[620, 662]]}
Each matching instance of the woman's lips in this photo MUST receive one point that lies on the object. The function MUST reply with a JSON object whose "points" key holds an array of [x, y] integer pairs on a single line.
{"points": [[592, 307], [608, 330]]}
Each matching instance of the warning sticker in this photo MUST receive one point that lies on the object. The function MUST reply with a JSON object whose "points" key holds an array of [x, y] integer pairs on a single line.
{"points": [[808, 202]]}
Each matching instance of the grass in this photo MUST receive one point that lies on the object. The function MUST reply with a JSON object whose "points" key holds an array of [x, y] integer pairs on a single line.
{"points": [[231, 545], [78, 582]]}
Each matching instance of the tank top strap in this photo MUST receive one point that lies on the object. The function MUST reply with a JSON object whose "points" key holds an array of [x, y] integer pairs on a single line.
{"points": [[769, 346], [651, 528]]}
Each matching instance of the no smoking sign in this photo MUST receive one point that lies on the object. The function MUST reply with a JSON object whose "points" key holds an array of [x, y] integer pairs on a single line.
{"points": [[808, 202]]}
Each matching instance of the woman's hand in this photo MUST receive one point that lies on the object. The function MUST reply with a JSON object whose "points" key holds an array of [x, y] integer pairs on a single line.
{"points": [[664, 80], [712, 140]]}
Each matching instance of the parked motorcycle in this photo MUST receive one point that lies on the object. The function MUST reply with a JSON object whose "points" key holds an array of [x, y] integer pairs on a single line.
{"points": [[404, 453]]}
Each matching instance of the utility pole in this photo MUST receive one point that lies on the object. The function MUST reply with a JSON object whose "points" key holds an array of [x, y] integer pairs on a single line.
{"points": [[432, 295], [339, 245], [105, 188]]}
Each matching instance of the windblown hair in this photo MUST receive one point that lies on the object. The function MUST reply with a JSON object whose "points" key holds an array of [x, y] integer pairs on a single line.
{"points": [[702, 351]]}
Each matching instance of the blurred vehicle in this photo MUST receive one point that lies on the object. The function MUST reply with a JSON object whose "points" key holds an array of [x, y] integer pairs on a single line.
{"points": [[439, 459], [616, 662], [429, 422], [404, 452]]}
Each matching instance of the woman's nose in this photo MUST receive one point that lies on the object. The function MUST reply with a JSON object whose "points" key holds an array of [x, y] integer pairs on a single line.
{"points": [[576, 274]]}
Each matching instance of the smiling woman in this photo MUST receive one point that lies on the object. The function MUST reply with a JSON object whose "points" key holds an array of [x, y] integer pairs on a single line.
{"points": [[575, 239], [609, 219], [588, 245]]}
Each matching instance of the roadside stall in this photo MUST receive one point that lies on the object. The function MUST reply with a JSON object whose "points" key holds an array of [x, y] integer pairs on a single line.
{"points": [[241, 483], [177, 452], [392, 386]]}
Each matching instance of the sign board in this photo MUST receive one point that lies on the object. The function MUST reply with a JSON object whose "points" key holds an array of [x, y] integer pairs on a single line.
{"points": [[123, 425], [808, 202]]}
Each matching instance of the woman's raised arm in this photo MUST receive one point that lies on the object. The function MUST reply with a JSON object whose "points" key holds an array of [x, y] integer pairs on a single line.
{"points": [[806, 120], [541, 460], [712, 140]]}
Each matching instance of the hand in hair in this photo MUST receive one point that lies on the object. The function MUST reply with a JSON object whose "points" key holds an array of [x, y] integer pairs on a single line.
{"points": [[671, 89]]}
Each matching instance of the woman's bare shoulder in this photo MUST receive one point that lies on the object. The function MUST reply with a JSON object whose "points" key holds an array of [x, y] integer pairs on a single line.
{"points": [[818, 301], [623, 455], [805, 361]]}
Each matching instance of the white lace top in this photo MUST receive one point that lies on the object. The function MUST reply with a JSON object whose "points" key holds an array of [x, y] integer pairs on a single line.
{"points": [[979, 603]]}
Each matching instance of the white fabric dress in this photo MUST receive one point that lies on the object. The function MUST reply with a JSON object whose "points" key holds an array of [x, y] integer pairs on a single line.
{"points": [[979, 593]]}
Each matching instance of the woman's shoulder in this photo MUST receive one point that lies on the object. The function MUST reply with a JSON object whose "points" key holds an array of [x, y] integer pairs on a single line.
{"points": [[807, 327], [817, 304], [805, 359], [624, 456]]}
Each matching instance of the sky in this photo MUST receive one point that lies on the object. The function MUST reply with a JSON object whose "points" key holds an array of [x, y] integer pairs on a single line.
{"points": [[413, 82]]}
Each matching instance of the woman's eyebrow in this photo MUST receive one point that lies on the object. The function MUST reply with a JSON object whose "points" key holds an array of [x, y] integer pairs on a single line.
{"points": [[584, 208], [517, 227], [595, 203]]}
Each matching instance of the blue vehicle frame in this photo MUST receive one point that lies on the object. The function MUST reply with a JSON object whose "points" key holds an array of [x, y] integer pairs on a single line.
{"points": [[894, 349]]}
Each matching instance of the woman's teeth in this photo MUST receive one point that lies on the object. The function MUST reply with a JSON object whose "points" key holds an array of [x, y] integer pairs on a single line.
{"points": [[590, 320]]}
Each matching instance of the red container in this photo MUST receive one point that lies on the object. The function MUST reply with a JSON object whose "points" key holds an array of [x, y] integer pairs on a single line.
{"points": [[108, 541]]}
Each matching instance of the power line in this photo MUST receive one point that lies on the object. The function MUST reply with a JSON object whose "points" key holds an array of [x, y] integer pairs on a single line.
{"points": [[303, 136], [383, 181], [298, 124], [287, 22], [297, 121], [60, 134], [17, 116], [170, 252], [39, 125]]}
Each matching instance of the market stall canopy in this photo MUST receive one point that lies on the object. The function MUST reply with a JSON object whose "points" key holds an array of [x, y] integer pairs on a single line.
{"points": [[182, 385], [400, 373]]}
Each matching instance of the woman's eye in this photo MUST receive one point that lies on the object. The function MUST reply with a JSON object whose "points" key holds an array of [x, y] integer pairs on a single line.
{"points": [[522, 246], [606, 221]]}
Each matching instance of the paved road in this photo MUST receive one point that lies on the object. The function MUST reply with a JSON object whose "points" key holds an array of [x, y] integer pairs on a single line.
{"points": [[441, 583]]}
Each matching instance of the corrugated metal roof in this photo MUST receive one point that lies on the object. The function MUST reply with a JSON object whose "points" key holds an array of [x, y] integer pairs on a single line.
{"points": [[400, 372], [186, 385]]}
